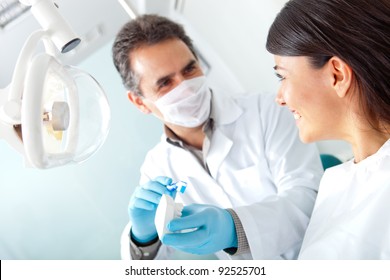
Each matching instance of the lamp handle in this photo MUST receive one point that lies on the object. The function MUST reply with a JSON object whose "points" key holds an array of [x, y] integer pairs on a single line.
{"points": [[12, 108]]}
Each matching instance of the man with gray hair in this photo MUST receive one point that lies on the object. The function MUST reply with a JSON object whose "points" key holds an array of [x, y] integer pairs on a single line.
{"points": [[251, 183]]}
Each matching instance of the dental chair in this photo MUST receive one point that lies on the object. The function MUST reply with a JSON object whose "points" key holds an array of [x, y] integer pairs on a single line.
{"points": [[329, 160]]}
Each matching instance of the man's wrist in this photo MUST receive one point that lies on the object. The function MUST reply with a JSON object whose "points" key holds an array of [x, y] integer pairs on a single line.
{"points": [[243, 245], [144, 251], [144, 240]]}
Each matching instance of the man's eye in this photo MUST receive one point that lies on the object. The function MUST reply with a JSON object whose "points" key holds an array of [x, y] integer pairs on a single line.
{"points": [[189, 69], [164, 84]]}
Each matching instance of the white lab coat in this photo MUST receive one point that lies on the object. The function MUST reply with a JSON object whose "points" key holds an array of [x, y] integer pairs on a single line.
{"points": [[351, 217], [258, 167]]}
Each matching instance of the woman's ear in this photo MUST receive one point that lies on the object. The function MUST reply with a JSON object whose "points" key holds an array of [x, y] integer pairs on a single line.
{"points": [[138, 102], [342, 76]]}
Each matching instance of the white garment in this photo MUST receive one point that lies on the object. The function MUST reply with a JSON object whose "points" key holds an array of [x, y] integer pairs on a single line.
{"points": [[351, 217], [258, 167]]}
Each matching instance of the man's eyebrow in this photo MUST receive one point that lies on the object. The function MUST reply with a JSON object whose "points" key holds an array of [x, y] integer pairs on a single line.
{"points": [[189, 64]]}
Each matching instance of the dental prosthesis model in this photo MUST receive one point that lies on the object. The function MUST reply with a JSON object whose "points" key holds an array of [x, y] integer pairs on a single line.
{"points": [[168, 209]]}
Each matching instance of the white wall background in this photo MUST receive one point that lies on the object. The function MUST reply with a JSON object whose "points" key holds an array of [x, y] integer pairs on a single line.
{"points": [[237, 30], [78, 212]]}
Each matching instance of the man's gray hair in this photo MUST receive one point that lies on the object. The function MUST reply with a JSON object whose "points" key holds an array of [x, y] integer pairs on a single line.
{"points": [[144, 30]]}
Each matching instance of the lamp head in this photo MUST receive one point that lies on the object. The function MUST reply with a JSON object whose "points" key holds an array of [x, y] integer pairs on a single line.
{"points": [[47, 14], [53, 114], [65, 114]]}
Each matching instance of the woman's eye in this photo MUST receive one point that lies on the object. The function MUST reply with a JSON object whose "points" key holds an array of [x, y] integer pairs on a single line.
{"points": [[280, 77]]}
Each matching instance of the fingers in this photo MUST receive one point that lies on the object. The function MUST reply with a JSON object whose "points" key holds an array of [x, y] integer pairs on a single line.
{"points": [[144, 199], [159, 185], [187, 222], [148, 195], [209, 230], [154, 186], [193, 216], [191, 209], [163, 180], [143, 204], [187, 240]]}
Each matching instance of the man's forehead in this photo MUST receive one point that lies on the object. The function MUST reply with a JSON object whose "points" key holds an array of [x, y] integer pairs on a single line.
{"points": [[159, 60]]}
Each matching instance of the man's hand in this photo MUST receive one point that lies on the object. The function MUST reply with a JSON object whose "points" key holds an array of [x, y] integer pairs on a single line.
{"points": [[212, 230], [143, 205]]}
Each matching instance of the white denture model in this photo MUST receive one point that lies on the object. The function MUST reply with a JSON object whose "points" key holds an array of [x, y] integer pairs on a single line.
{"points": [[168, 209]]}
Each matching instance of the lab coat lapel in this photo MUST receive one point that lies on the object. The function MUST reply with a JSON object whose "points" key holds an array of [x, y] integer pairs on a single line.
{"points": [[219, 148], [224, 112]]}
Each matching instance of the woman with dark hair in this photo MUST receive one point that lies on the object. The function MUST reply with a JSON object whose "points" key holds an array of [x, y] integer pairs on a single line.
{"points": [[332, 57]]}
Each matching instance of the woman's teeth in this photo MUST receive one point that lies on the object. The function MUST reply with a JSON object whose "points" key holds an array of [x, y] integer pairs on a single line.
{"points": [[297, 116]]}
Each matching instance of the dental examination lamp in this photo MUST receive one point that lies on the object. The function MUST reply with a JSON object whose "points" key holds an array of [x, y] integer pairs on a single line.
{"points": [[51, 113]]}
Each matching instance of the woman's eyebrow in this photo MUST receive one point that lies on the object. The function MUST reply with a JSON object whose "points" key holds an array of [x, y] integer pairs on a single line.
{"points": [[276, 67]]}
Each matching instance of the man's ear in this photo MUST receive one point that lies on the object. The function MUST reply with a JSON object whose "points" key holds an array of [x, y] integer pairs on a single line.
{"points": [[138, 101], [342, 76]]}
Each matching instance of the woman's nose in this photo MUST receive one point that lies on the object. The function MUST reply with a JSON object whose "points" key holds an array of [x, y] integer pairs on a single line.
{"points": [[280, 100]]}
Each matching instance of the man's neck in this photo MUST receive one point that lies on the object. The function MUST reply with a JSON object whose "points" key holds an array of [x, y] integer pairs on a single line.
{"points": [[193, 137]]}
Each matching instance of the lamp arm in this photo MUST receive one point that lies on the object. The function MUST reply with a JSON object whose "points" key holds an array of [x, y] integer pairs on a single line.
{"points": [[12, 107]]}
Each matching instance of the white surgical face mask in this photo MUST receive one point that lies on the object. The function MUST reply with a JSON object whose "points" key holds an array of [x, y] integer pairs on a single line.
{"points": [[188, 104]]}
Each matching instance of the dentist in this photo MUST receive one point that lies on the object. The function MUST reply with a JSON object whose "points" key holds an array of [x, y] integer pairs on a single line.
{"points": [[251, 183]]}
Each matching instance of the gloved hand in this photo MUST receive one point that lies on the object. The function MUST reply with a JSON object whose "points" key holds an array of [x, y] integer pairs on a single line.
{"points": [[214, 230], [143, 205]]}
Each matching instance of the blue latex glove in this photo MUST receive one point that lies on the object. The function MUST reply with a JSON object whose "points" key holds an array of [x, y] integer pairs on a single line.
{"points": [[143, 205], [214, 231]]}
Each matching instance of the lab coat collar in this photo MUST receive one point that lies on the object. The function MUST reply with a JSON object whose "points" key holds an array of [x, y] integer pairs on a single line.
{"points": [[372, 161], [173, 139]]}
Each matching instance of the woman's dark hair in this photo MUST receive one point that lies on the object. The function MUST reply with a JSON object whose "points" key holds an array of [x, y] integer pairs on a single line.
{"points": [[356, 31], [144, 30]]}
